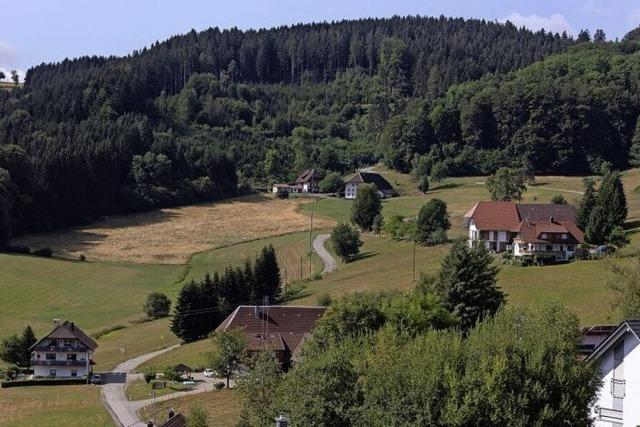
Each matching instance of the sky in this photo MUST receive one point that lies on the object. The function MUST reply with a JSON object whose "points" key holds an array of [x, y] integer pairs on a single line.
{"points": [[36, 31]]}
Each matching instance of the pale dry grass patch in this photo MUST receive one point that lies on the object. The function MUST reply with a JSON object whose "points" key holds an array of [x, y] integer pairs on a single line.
{"points": [[170, 236]]}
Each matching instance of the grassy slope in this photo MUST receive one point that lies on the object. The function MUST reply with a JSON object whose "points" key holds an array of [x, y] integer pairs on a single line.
{"points": [[95, 295], [223, 407], [192, 354], [139, 390], [59, 406]]}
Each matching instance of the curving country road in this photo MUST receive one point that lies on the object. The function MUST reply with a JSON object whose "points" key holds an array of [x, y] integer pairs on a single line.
{"points": [[329, 261]]}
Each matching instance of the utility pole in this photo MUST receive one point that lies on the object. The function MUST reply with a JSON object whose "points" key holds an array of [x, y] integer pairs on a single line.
{"points": [[310, 237], [414, 261]]}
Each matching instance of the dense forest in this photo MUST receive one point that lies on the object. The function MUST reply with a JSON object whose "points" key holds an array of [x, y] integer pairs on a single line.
{"points": [[198, 116]]}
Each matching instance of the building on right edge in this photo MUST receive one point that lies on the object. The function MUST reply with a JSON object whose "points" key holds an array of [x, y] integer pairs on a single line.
{"points": [[525, 230], [618, 358]]}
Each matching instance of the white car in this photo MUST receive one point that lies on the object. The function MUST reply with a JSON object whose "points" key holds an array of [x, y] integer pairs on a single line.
{"points": [[209, 373]]}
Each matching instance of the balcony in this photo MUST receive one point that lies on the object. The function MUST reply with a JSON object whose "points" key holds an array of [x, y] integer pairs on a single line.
{"points": [[618, 388], [62, 349], [58, 362], [609, 414]]}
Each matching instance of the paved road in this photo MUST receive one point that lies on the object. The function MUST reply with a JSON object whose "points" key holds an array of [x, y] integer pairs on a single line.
{"points": [[330, 264], [113, 392]]}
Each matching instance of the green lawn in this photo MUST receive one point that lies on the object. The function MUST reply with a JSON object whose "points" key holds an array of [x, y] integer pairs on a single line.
{"points": [[94, 295], [139, 390], [192, 354], [223, 407], [53, 406]]}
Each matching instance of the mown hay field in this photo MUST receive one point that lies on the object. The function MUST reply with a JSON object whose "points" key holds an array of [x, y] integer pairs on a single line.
{"points": [[171, 236], [57, 406]]}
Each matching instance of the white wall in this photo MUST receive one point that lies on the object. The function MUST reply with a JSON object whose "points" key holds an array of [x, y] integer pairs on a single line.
{"points": [[630, 372], [350, 190]]}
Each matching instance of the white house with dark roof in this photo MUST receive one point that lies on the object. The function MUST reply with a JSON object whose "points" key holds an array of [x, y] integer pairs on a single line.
{"points": [[618, 358], [383, 187], [66, 352]]}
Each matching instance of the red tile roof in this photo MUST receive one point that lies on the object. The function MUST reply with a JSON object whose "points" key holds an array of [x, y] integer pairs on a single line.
{"points": [[494, 216], [531, 232], [277, 326]]}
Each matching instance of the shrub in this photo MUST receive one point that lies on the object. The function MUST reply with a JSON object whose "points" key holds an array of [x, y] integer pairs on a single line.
{"points": [[423, 185], [282, 194], [346, 241], [331, 183], [558, 199], [149, 375], [618, 237], [324, 300], [82, 258], [219, 385], [43, 252], [157, 305], [432, 223]]}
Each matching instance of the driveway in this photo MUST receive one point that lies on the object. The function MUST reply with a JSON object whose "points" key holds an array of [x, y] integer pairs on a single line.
{"points": [[329, 261]]}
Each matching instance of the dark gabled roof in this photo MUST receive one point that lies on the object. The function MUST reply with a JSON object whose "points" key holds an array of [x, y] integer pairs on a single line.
{"points": [[532, 232], [632, 326], [178, 420], [371, 178], [67, 330], [276, 326], [544, 211], [181, 367], [307, 176]]}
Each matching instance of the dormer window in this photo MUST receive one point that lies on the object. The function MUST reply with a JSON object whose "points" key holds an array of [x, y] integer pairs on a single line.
{"points": [[68, 343], [53, 343], [543, 235], [564, 236]]}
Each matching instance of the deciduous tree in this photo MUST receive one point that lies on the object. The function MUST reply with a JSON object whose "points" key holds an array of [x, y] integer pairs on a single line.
{"points": [[366, 206], [346, 241]]}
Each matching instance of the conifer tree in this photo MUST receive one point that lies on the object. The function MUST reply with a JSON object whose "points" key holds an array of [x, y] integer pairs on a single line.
{"points": [[587, 204], [612, 198], [634, 150], [186, 324], [28, 339], [467, 281], [267, 272], [597, 228]]}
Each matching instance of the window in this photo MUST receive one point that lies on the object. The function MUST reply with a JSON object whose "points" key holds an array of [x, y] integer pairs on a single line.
{"points": [[570, 248], [52, 372], [68, 343], [543, 235], [71, 356], [74, 373], [549, 247], [564, 236], [51, 356], [53, 343]]}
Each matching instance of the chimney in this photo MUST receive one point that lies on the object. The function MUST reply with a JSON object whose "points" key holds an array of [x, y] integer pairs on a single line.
{"points": [[171, 413], [551, 219], [282, 421], [56, 323], [73, 326]]}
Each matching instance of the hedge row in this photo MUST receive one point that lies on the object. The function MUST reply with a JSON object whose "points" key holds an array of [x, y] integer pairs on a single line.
{"points": [[44, 381]]}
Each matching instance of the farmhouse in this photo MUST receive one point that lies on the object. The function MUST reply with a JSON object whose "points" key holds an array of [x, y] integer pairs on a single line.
{"points": [[65, 352], [307, 182], [526, 230], [618, 358], [383, 187], [275, 328]]}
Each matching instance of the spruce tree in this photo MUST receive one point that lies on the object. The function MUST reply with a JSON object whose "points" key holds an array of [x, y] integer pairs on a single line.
{"points": [[597, 228], [267, 272], [467, 281], [28, 339], [634, 150], [587, 204], [612, 198], [185, 323]]}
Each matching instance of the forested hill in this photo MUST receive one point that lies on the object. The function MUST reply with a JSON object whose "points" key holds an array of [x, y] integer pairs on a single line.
{"points": [[189, 118]]}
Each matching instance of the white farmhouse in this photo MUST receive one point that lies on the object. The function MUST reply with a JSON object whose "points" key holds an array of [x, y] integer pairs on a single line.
{"points": [[618, 358], [66, 352], [383, 188]]}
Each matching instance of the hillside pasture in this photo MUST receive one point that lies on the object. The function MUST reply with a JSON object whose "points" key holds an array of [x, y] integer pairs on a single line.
{"points": [[172, 235], [57, 406]]}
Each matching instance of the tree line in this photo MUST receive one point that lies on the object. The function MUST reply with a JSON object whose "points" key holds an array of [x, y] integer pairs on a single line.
{"points": [[202, 305], [190, 118]]}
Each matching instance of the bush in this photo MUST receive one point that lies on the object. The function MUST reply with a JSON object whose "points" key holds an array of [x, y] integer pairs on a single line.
{"points": [[331, 183], [157, 305], [43, 381], [149, 375], [558, 199], [219, 385], [324, 300], [43, 252], [423, 185], [282, 195], [432, 223], [82, 258], [346, 241]]}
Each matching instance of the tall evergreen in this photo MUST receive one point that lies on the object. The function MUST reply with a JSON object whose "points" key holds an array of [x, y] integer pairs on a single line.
{"points": [[267, 273], [587, 204], [598, 227], [634, 150], [467, 281], [188, 321], [612, 198], [28, 339]]}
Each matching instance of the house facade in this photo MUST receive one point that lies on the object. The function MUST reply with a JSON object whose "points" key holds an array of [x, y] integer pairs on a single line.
{"points": [[525, 230], [278, 329], [66, 352], [618, 359], [383, 187], [307, 182]]}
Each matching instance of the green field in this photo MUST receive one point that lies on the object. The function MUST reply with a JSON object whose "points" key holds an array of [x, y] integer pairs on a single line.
{"points": [[193, 354], [140, 390], [59, 406]]}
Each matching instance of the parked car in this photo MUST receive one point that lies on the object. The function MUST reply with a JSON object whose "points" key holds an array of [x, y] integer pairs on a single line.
{"points": [[209, 373], [96, 379]]}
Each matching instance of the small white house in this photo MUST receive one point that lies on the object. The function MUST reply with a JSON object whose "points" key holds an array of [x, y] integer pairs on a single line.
{"points": [[383, 187], [618, 358], [66, 352]]}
